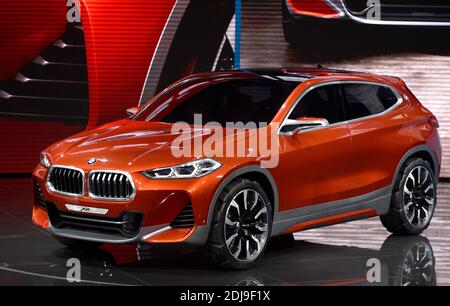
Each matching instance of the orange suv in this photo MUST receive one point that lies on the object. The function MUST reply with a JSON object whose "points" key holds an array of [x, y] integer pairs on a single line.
{"points": [[226, 160]]}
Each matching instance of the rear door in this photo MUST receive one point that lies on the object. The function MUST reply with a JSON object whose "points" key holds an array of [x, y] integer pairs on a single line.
{"points": [[376, 123]]}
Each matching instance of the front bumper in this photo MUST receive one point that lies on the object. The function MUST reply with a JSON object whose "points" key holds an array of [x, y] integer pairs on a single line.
{"points": [[158, 202]]}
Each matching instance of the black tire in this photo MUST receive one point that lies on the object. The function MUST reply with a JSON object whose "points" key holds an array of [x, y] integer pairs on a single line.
{"points": [[216, 246], [281, 241], [396, 220], [76, 244]]}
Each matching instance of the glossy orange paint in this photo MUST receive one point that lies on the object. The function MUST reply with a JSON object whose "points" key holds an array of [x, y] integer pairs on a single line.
{"points": [[40, 217], [314, 8], [334, 163], [171, 236]]}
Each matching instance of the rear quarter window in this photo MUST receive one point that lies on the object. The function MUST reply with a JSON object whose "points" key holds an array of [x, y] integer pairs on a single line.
{"points": [[362, 100]]}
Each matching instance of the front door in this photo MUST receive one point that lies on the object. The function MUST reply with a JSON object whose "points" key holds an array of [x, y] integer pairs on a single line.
{"points": [[315, 161]]}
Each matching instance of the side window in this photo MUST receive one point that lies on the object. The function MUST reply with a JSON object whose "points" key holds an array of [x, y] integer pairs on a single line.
{"points": [[366, 99], [322, 102]]}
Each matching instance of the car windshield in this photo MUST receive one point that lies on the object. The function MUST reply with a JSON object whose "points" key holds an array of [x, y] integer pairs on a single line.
{"points": [[219, 100]]}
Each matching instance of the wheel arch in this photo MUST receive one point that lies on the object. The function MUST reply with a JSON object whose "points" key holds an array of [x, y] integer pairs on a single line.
{"points": [[255, 173], [423, 151]]}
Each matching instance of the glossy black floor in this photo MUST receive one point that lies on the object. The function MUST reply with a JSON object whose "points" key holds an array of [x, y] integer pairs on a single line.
{"points": [[335, 255]]}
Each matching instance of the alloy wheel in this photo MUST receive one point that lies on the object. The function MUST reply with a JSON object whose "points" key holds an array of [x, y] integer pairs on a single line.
{"points": [[419, 196], [246, 225]]}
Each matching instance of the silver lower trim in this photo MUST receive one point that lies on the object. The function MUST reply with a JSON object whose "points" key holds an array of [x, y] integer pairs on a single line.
{"points": [[379, 200], [87, 235], [154, 233], [90, 236]]}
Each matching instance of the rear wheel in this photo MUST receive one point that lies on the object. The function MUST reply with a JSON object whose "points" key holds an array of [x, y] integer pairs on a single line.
{"points": [[241, 225], [413, 199]]}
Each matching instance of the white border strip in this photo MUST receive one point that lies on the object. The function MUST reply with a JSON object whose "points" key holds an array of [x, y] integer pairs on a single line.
{"points": [[61, 278], [161, 50]]}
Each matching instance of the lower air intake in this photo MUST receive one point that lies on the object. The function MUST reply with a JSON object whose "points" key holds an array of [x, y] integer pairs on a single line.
{"points": [[185, 218]]}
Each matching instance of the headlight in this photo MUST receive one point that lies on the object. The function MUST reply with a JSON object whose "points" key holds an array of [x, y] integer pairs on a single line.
{"points": [[45, 161], [196, 168]]}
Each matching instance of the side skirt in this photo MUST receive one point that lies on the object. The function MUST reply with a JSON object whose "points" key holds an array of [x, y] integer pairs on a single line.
{"points": [[318, 215]]}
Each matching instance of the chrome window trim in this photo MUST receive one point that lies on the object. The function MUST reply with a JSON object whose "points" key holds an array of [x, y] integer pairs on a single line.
{"points": [[311, 88], [391, 22], [51, 188], [396, 104], [128, 175]]}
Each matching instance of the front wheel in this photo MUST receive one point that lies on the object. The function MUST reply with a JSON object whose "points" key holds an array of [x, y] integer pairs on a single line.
{"points": [[241, 225], [413, 199]]}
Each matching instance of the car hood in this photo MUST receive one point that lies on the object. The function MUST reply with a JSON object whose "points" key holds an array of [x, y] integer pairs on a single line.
{"points": [[130, 145]]}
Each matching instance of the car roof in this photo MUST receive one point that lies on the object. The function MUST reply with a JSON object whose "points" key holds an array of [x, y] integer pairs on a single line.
{"points": [[299, 74], [306, 72]]}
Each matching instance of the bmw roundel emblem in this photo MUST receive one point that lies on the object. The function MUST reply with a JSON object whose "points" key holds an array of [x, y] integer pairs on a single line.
{"points": [[92, 161]]}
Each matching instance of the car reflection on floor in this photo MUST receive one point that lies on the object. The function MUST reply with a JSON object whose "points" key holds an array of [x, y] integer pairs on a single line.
{"points": [[404, 261]]}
